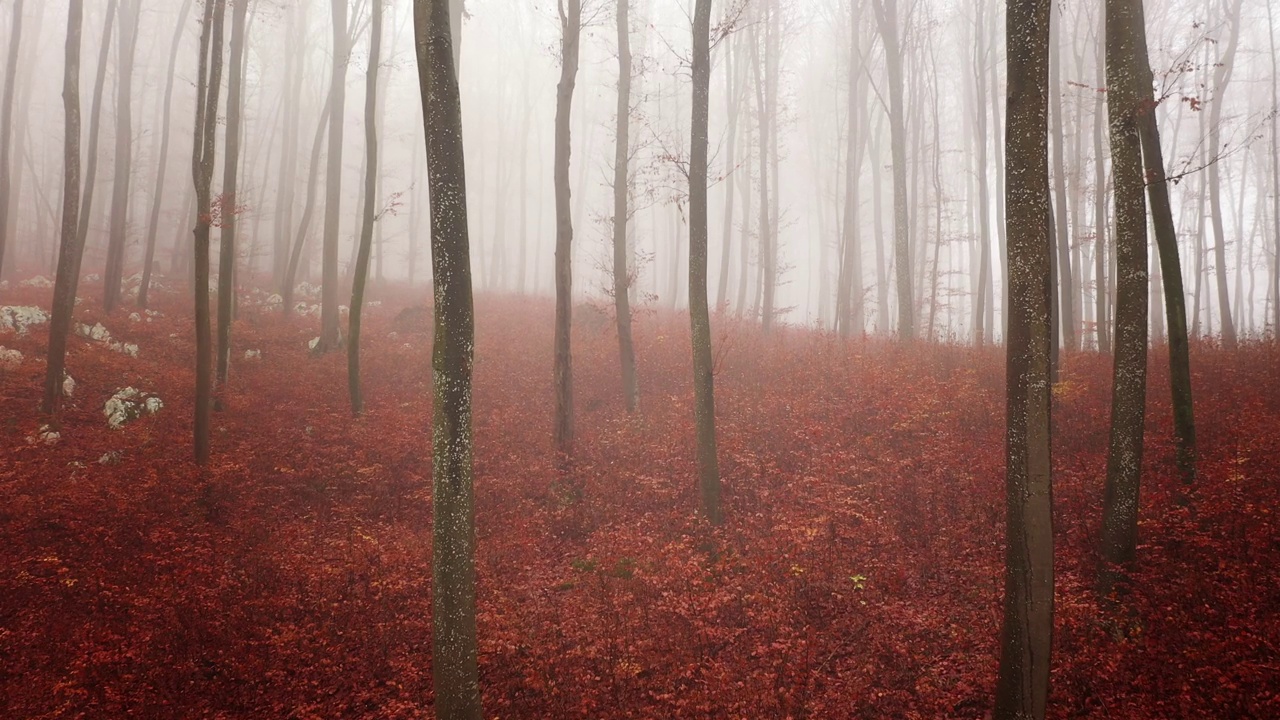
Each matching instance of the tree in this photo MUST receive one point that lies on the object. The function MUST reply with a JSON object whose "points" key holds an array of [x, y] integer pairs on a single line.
{"points": [[330, 333], [1128, 398], [6, 121], [95, 115], [208, 87], [1275, 172], [1175, 303], [454, 666], [849, 313], [162, 162], [887, 20], [1064, 316], [230, 188], [1027, 633], [1221, 77], [980, 307], [622, 214], [366, 225], [126, 50], [570, 35], [704, 403], [70, 248]]}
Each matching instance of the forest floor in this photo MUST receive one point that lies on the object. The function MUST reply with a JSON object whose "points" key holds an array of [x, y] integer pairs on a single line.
{"points": [[859, 573]]}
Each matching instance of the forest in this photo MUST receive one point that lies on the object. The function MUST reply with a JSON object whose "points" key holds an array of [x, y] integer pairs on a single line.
{"points": [[733, 359]]}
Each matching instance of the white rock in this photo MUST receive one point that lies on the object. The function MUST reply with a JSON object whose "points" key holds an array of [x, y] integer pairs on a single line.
{"points": [[38, 281], [97, 332], [129, 404], [68, 386], [252, 354], [314, 342], [92, 277], [135, 317], [44, 436], [9, 359], [21, 317]]}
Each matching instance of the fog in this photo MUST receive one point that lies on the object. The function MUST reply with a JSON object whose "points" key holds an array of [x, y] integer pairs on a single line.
{"points": [[953, 67]]}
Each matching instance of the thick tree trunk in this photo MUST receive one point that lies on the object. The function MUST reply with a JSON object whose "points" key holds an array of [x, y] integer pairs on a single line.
{"points": [[571, 30], [1022, 689], [71, 249], [330, 332], [370, 195], [162, 164], [622, 213], [1125, 95], [704, 404], [454, 666], [230, 189], [208, 87], [6, 124]]}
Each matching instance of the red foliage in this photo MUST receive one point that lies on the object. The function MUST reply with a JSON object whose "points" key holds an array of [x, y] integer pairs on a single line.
{"points": [[858, 576]]}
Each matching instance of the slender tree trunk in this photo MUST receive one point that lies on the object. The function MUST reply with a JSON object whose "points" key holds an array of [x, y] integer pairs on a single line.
{"points": [[295, 70], [125, 53], [455, 677], [230, 188], [849, 303], [1221, 77], [622, 213], [984, 201], [1275, 174], [95, 116], [370, 195], [71, 249], [1125, 94], [730, 175], [887, 20], [208, 87], [330, 332], [570, 29], [704, 403], [162, 164], [999, 168], [304, 225], [6, 124], [765, 254], [1022, 689], [1102, 325], [1065, 317]]}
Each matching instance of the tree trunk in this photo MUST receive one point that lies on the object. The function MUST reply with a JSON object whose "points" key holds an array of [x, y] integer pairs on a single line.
{"points": [[230, 188], [454, 667], [1124, 459], [162, 165], [1221, 77], [95, 116], [1175, 303], [370, 195], [1102, 327], [113, 276], [208, 86], [887, 20], [983, 54], [570, 29], [295, 70], [304, 225], [1275, 176], [704, 404], [330, 332], [71, 249], [849, 300], [1027, 635], [622, 214], [1065, 317], [6, 124], [730, 175]]}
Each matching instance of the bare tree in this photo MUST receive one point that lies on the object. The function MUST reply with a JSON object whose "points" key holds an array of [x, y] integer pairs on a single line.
{"points": [[1128, 399], [366, 224], [157, 195], [1275, 172], [454, 665], [95, 116], [231, 188], [622, 213], [1022, 689], [1221, 77], [330, 332], [208, 87], [6, 122], [704, 403], [70, 247], [570, 35], [886, 12], [126, 51]]}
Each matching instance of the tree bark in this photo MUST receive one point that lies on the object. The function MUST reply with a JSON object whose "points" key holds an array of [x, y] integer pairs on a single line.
{"points": [[330, 332], [304, 225], [113, 276], [6, 124], [71, 249], [699, 315], [208, 87], [1128, 399], [1065, 317], [622, 213], [1027, 636], [95, 116], [454, 666], [571, 30], [1221, 77], [984, 202], [162, 164], [370, 194], [887, 20], [230, 188], [1275, 175]]}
